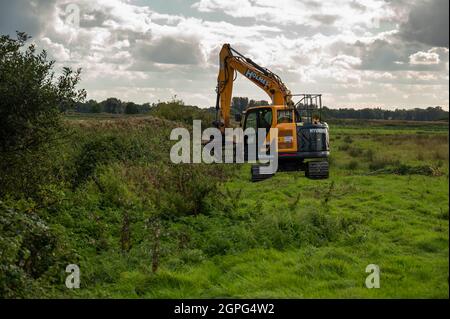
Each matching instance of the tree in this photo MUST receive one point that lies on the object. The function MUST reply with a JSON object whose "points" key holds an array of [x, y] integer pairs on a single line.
{"points": [[95, 107], [239, 104], [112, 105], [31, 101], [144, 108], [131, 108], [30, 98]]}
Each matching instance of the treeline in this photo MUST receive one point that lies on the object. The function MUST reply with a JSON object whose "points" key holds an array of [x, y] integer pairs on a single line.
{"points": [[240, 104], [116, 106], [112, 105], [429, 114]]}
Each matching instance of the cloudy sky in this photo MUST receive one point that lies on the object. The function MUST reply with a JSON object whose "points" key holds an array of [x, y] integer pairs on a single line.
{"points": [[358, 53]]}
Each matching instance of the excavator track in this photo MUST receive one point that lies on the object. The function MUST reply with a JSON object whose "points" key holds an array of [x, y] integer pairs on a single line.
{"points": [[317, 170], [256, 176]]}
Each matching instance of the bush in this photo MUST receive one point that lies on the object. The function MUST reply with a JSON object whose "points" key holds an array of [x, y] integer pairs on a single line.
{"points": [[27, 250], [175, 110], [184, 189], [31, 98], [97, 151], [30, 105]]}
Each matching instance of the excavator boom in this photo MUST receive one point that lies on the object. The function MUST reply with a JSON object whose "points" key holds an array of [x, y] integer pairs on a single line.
{"points": [[231, 62]]}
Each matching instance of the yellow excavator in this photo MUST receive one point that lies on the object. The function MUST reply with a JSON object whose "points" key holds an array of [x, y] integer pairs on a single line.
{"points": [[303, 139]]}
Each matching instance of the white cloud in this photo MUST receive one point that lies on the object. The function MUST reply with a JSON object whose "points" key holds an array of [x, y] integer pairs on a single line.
{"points": [[425, 58], [57, 51], [344, 14]]}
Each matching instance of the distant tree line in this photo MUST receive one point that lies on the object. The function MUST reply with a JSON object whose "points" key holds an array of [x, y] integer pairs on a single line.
{"points": [[240, 104], [116, 106], [427, 114], [112, 105]]}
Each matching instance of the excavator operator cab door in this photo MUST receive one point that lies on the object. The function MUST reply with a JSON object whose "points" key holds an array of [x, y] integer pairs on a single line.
{"points": [[257, 118]]}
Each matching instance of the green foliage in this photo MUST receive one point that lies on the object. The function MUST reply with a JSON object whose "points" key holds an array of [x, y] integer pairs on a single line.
{"points": [[212, 233], [185, 188], [30, 110], [31, 98], [131, 108], [417, 114], [98, 151], [28, 246], [175, 110], [240, 104], [112, 106]]}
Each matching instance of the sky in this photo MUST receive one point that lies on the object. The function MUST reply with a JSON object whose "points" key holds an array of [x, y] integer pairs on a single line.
{"points": [[357, 53]]}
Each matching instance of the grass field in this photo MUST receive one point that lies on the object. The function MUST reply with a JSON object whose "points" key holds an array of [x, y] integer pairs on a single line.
{"points": [[318, 245], [141, 227], [386, 203]]}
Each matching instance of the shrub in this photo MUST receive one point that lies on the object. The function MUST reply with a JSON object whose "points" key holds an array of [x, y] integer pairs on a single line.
{"points": [[98, 151], [30, 122], [27, 247], [184, 189], [175, 110]]}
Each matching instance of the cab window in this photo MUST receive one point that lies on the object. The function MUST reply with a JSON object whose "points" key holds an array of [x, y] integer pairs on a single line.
{"points": [[284, 116], [265, 118], [251, 121]]}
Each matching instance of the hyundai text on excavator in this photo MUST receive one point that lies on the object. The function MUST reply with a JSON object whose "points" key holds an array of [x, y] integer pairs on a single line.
{"points": [[303, 139]]}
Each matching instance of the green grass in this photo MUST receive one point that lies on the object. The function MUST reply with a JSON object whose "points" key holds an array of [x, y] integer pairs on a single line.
{"points": [[291, 237], [395, 222], [220, 235]]}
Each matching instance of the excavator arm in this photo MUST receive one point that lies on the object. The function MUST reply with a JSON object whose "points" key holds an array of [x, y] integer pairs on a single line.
{"points": [[232, 61]]}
